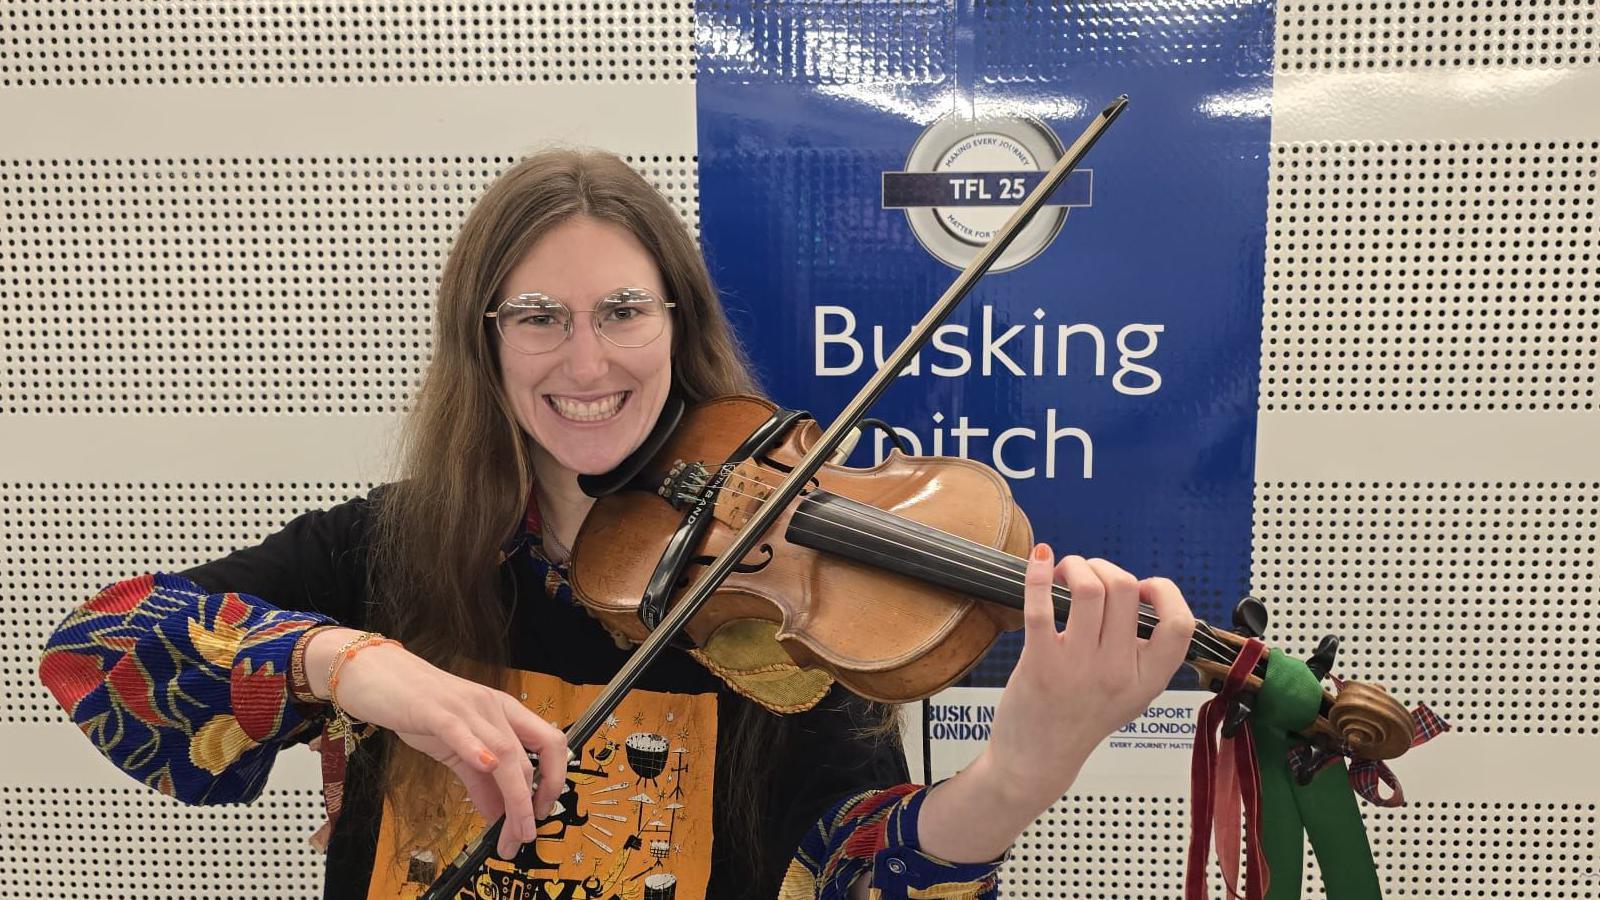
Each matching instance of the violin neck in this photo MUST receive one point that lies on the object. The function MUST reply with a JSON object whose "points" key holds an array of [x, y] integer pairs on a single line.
{"points": [[829, 523]]}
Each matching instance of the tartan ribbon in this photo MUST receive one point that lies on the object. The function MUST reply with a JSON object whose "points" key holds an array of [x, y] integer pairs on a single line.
{"points": [[1224, 779], [1367, 775]]}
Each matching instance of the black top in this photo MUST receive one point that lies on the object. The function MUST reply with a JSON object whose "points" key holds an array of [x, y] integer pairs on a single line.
{"points": [[632, 798]]}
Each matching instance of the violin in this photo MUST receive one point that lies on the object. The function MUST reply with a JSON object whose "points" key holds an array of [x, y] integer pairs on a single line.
{"points": [[894, 579]]}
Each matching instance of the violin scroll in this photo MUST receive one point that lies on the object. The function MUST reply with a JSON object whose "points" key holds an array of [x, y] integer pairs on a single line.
{"points": [[1363, 717], [1373, 724]]}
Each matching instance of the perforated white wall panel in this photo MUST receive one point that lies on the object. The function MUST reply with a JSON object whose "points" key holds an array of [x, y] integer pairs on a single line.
{"points": [[1134, 846], [1412, 34], [1461, 276], [220, 224], [103, 42], [235, 286], [105, 842], [1424, 577]]}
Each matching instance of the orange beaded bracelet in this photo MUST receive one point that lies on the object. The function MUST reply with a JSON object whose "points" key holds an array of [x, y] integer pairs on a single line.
{"points": [[348, 652], [341, 727]]}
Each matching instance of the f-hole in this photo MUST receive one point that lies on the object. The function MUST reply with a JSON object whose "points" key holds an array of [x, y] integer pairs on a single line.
{"points": [[811, 484], [742, 567]]}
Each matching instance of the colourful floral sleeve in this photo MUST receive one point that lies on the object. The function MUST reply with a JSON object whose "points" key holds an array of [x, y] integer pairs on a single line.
{"points": [[185, 690], [876, 832]]}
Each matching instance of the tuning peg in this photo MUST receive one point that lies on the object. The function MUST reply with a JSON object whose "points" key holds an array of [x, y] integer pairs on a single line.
{"points": [[1239, 709], [1250, 617], [1304, 774], [1321, 662]]}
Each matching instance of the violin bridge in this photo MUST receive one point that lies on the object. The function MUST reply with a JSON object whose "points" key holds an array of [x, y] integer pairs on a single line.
{"points": [[742, 494]]}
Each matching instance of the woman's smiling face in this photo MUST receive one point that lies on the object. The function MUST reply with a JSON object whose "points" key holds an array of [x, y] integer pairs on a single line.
{"points": [[588, 403]]}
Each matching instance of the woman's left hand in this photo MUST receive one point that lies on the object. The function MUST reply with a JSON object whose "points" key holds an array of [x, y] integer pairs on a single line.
{"points": [[1072, 688]]}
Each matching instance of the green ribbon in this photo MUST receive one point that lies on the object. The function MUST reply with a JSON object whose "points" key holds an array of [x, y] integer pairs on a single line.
{"points": [[1325, 809]]}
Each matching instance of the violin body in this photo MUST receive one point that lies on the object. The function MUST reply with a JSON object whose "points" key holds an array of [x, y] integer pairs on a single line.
{"points": [[886, 636]]}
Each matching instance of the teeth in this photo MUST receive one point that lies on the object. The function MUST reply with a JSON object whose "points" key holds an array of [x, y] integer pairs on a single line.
{"points": [[588, 411]]}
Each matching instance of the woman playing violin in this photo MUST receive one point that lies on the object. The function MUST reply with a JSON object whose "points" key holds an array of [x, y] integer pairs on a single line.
{"points": [[437, 611]]}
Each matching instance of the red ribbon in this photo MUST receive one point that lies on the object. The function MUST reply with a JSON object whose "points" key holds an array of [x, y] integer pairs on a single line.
{"points": [[1219, 788]]}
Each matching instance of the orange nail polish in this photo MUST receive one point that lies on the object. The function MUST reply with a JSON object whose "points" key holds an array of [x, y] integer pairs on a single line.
{"points": [[487, 758], [1041, 552]]}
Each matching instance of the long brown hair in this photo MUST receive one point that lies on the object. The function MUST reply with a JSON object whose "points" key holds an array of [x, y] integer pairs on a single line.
{"points": [[434, 567]]}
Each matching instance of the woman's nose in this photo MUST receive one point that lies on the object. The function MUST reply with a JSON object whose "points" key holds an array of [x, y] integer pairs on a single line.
{"points": [[588, 356]]}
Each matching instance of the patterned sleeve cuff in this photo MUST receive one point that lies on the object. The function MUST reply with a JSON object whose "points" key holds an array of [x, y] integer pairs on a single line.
{"points": [[903, 869], [184, 690], [259, 682], [876, 831]]}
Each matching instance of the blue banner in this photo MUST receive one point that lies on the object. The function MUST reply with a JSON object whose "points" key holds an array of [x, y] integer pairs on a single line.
{"points": [[852, 159]]}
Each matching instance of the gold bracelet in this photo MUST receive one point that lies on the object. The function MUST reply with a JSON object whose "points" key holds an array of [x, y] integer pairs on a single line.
{"points": [[348, 652], [340, 726], [337, 660]]}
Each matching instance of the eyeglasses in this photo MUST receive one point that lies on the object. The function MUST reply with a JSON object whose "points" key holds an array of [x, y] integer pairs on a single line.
{"points": [[539, 323]]}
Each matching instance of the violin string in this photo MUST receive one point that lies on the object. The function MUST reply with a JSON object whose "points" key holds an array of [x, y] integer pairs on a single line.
{"points": [[1201, 639], [989, 567]]}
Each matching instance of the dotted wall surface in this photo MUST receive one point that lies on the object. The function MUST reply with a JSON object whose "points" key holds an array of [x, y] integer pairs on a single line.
{"points": [[1130, 847], [1408, 276], [234, 286], [95, 43], [1410, 35], [1481, 600], [102, 843]]}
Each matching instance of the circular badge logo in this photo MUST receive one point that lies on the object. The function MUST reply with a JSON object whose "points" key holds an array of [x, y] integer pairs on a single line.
{"points": [[965, 177]]}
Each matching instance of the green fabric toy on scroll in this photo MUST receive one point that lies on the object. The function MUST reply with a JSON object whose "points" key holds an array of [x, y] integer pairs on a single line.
{"points": [[1288, 788]]}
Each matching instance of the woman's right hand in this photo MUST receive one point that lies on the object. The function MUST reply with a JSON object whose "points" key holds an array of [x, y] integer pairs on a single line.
{"points": [[481, 734]]}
